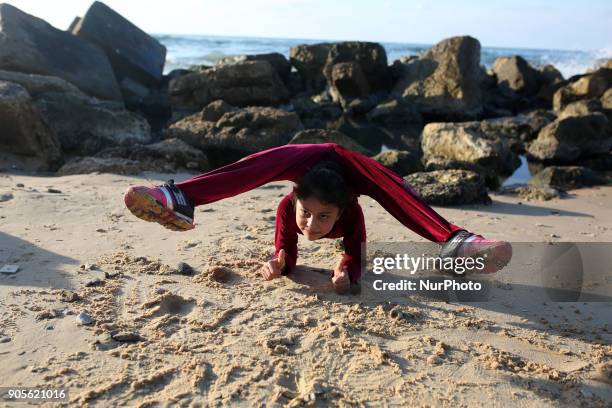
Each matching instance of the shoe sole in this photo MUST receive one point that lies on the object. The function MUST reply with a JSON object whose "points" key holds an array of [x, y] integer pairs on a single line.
{"points": [[497, 257], [147, 208]]}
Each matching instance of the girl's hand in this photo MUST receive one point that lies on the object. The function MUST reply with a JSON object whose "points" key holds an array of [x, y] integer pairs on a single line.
{"points": [[340, 280], [272, 269]]}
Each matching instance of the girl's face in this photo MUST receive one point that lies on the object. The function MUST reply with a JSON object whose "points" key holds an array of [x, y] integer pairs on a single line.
{"points": [[315, 218]]}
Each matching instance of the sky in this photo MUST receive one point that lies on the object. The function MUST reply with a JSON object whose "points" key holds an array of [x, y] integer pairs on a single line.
{"points": [[543, 24]]}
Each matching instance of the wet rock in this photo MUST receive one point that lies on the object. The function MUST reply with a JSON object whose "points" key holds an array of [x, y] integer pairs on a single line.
{"points": [[449, 187], [444, 82], [237, 133], [248, 83], [400, 161], [171, 154], [469, 142], [309, 60], [315, 136], [277, 60], [126, 336], [570, 138], [530, 192], [83, 319], [184, 268], [68, 296], [86, 165], [31, 45], [24, 129], [132, 53], [567, 177]]}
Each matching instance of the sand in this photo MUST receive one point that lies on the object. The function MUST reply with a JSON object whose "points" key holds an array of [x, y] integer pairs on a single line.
{"points": [[225, 337]]}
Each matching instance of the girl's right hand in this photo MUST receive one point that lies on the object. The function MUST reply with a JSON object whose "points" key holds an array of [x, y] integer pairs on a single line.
{"points": [[272, 269]]}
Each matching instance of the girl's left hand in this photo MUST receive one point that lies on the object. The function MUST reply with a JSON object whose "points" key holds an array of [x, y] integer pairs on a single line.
{"points": [[340, 280]]}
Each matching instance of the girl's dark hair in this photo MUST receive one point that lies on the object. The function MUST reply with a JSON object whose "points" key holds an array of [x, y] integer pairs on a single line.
{"points": [[327, 183]]}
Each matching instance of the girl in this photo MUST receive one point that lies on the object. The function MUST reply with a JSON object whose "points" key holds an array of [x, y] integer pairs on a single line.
{"points": [[323, 204]]}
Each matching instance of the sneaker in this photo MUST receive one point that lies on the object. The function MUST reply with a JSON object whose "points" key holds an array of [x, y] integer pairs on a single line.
{"points": [[496, 254], [166, 205]]}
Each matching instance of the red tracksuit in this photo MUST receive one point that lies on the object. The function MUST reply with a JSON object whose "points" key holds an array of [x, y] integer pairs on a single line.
{"points": [[365, 175]]}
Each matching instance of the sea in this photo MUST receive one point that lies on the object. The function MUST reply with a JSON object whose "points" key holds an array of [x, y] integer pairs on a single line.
{"points": [[186, 50]]}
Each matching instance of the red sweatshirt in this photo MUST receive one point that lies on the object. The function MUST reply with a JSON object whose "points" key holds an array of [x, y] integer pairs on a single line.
{"points": [[350, 226]]}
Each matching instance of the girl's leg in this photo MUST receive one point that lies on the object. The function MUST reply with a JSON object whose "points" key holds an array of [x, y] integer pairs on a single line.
{"points": [[286, 162], [392, 192]]}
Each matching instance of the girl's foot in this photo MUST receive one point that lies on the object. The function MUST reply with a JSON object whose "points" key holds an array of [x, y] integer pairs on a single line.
{"points": [[166, 205], [496, 254]]}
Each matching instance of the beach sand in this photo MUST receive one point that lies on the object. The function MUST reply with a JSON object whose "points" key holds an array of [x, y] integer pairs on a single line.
{"points": [[225, 337]]}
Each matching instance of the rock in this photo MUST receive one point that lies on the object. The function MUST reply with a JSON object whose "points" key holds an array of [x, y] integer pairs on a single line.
{"points": [[126, 337], [529, 192], [133, 54], [83, 125], [469, 142], [237, 133], [588, 86], [83, 319], [68, 296], [309, 60], [54, 191], [433, 163], [449, 187], [24, 130], [567, 177], [550, 75], [95, 283], [86, 165], [5, 339], [31, 45], [277, 60], [316, 136], [316, 114], [520, 129], [515, 75], [220, 274], [581, 108], [606, 100], [215, 110], [572, 137], [400, 161], [241, 84], [395, 113], [355, 69], [168, 154], [372, 136], [6, 197], [444, 82], [184, 268]]}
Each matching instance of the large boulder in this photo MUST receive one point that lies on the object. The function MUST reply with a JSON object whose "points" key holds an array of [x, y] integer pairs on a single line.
{"points": [[247, 83], [237, 133], [31, 45], [531, 192], [309, 60], [86, 165], [355, 69], [469, 142], [167, 155], [83, 125], [572, 137], [443, 82], [520, 129], [567, 177], [490, 176], [316, 114], [400, 161], [515, 75], [449, 187], [588, 86], [317, 136], [278, 61], [24, 130]]}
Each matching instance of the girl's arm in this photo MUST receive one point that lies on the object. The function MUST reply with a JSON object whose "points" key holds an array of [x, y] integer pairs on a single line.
{"points": [[354, 242], [285, 236]]}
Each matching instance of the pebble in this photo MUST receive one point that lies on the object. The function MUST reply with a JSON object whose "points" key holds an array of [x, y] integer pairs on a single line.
{"points": [[184, 268], [5, 339], [6, 197], [84, 319], [68, 296], [19, 185], [434, 360], [54, 190], [126, 337], [95, 282]]}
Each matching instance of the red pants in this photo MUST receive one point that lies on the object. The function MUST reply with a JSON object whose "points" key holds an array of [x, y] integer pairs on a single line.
{"points": [[365, 175]]}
